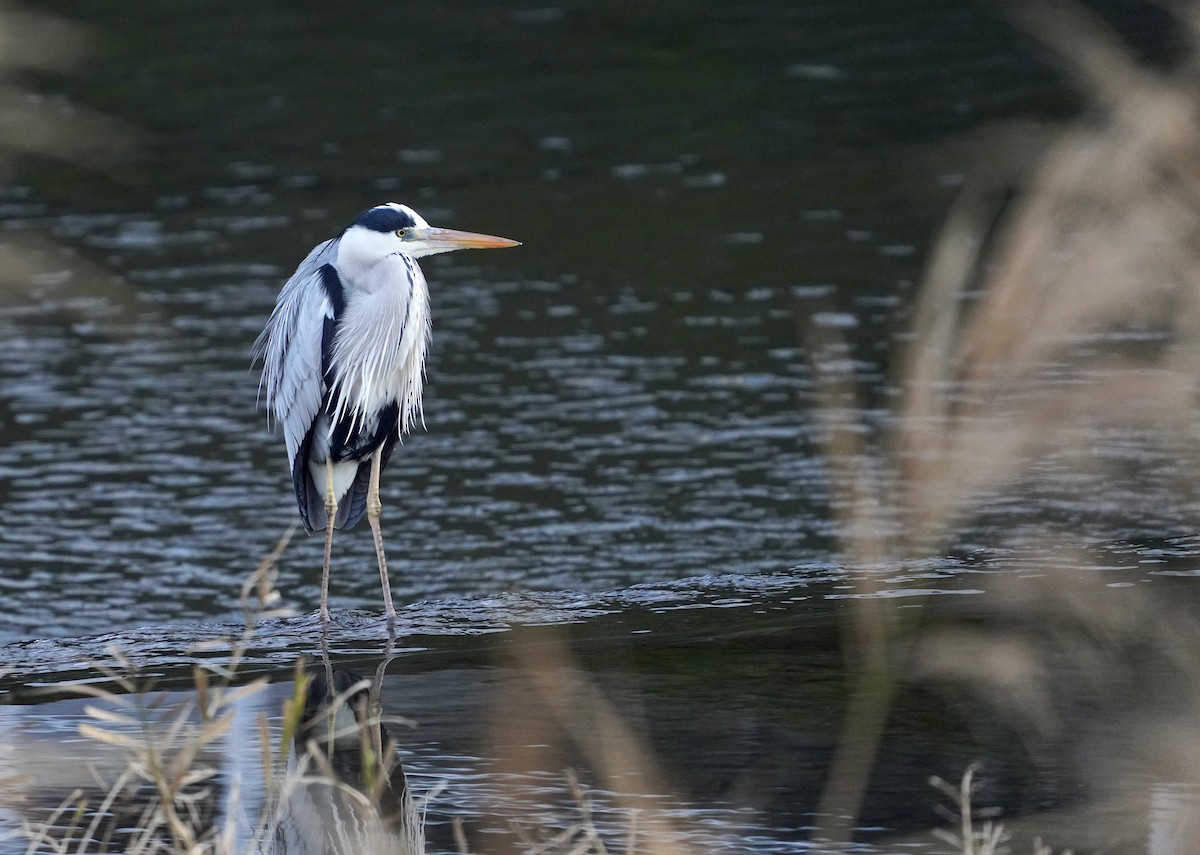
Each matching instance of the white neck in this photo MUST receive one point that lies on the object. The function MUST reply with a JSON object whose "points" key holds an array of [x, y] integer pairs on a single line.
{"points": [[369, 260]]}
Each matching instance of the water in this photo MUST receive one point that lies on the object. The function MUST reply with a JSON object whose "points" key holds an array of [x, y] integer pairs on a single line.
{"points": [[621, 400], [621, 433], [734, 685], [548, 446]]}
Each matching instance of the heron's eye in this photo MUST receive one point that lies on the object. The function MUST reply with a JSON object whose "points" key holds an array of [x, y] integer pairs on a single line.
{"points": [[401, 233]]}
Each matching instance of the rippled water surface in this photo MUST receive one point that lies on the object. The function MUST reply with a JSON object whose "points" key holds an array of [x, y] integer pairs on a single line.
{"points": [[565, 449], [621, 400]]}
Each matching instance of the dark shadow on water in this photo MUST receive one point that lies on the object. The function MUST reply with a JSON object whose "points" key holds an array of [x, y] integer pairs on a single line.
{"points": [[467, 627]]}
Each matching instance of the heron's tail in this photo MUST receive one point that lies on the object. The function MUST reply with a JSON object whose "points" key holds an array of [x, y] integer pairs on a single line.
{"points": [[310, 497], [353, 506]]}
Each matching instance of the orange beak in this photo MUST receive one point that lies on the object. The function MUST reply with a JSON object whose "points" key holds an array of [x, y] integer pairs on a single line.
{"points": [[453, 239]]}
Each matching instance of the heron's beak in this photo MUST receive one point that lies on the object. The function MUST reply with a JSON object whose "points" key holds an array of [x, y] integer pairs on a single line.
{"points": [[447, 239]]}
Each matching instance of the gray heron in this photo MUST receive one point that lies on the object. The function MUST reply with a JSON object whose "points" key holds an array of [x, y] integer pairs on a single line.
{"points": [[344, 364]]}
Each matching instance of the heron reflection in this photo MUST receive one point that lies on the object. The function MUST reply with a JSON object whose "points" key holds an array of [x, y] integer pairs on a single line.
{"points": [[345, 791]]}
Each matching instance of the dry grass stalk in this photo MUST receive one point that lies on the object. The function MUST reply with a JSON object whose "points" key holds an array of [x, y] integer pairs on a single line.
{"points": [[869, 633], [1014, 358], [966, 835], [35, 270], [333, 779], [966, 838], [551, 692], [1104, 239], [579, 837], [167, 775]]}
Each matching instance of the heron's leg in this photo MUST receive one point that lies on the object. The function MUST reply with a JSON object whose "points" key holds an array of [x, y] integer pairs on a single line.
{"points": [[375, 695], [374, 508], [330, 513]]}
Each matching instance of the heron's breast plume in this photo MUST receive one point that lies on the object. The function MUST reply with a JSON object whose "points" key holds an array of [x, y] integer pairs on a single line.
{"points": [[380, 345]]}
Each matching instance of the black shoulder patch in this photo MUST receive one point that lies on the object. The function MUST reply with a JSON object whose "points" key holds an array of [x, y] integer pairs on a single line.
{"points": [[328, 331], [332, 283], [384, 219]]}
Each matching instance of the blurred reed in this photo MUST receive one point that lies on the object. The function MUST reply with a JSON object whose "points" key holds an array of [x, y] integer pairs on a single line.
{"points": [[36, 46], [1044, 327]]}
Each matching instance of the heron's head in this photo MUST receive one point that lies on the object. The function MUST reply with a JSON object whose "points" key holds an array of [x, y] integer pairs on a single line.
{"points": [[390, 229]]}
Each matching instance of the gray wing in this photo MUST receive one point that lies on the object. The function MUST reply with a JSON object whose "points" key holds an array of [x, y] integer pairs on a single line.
{"points": [[292, 346]]}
